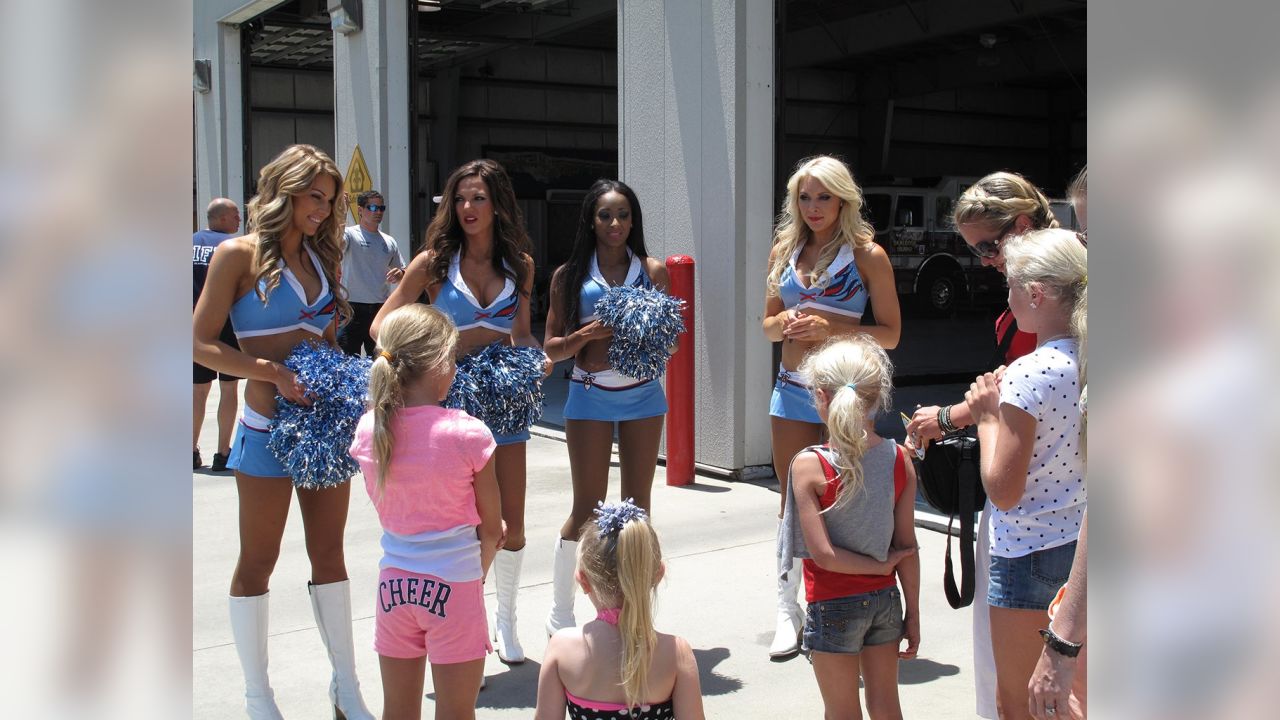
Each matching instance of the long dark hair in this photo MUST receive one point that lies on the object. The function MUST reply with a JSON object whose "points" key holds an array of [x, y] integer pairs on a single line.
{"points": [[573, 272], [510, 239]]}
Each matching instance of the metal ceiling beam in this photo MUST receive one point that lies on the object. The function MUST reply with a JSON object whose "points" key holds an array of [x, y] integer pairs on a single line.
{"points": [[901, 26], [526, 29], [302, 44]]}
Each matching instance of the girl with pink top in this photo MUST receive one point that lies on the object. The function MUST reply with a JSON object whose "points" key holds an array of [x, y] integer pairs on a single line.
{"points": [[429, 471]]}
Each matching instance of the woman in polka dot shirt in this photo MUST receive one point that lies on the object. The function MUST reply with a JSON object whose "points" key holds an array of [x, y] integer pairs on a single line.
{"points": [[1032, 467]]}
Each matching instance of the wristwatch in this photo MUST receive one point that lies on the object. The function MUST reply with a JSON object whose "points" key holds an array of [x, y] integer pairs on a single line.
{"points": [[1058, 645]]}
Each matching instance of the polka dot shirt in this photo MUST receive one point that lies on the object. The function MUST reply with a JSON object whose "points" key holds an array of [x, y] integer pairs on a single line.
{"points": [[1045, 384]]}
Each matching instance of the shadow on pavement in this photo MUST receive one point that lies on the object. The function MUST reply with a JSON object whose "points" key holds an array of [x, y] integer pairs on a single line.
{"points": [[921, 670], [516, 686], [714, 683], [694, 486]]}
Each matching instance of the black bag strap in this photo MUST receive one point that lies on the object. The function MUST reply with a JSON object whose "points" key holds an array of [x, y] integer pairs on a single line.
{"points": [[1005, 341], [968, 478]]}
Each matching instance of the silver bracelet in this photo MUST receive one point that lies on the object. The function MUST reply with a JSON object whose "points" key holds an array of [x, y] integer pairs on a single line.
{"points": [[944, 420]]}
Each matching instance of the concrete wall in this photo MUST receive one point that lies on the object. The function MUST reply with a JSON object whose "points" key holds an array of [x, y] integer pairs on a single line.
{"points": [[695, 87]]}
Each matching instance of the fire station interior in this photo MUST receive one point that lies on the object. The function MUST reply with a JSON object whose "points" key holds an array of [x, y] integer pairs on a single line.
{"points": [[918, 96]]}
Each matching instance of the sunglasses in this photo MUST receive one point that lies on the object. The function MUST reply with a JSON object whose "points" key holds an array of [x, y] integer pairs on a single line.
{"points": [[987, 248], [375, 208]]}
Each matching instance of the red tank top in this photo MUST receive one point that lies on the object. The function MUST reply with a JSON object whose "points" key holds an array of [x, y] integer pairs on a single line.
{"points": [[1023, 342], [820, 584]]}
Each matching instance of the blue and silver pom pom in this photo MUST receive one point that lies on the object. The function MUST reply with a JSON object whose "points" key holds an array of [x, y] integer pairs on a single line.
{"points": [[611, 517], [501, 386], [646, 325], [312, 442]]}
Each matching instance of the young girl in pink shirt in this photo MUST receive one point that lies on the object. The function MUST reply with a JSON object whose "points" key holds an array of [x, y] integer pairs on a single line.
{"points": [[429, 471]]}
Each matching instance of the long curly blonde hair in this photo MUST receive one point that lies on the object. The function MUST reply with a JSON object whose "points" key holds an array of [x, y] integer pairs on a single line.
{"points": [[271, 212], [852, 229]]}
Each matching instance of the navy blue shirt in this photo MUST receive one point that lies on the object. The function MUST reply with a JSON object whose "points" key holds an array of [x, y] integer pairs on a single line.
{"points": [[202, 245]]}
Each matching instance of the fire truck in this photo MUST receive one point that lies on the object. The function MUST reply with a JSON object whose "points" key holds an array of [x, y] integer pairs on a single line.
{"points": [[932, 267]]}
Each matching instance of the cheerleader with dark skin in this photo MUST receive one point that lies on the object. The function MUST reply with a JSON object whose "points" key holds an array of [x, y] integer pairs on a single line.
{"points": [[608, 251], [477, 248]]}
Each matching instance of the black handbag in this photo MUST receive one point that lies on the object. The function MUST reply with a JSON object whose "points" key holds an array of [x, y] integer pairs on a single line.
{"points": [[950, 478], [950, 481]]}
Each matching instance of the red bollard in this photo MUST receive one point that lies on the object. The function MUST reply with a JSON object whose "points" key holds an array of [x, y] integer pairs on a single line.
{"points": [[680, 379]]}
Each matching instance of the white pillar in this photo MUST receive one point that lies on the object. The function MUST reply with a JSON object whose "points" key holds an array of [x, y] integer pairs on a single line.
{"points": [[695, 139], [219, 113], [371, 106]]}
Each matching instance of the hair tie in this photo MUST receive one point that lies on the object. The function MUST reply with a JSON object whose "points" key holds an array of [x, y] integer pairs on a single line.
{"points": [[612, 517], [386, 356], [852, 386]]}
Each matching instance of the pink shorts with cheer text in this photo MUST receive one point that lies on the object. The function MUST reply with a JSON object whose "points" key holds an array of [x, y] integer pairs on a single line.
{"points": [[419, 615]]}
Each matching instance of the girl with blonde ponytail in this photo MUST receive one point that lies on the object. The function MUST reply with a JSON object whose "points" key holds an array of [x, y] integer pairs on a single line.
{"points": [[619, 665], [429, 472], [850, 514]]}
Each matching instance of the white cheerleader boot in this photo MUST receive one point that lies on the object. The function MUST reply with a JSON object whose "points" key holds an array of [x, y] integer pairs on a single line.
{"points": [[565, 561], [331, 604], [249, 628], [506, 570], [786, 635]]}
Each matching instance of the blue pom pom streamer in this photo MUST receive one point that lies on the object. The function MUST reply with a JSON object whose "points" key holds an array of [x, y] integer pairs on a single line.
{"points": [[312, 442], [646, 325], [501, 386], [612, 516]]}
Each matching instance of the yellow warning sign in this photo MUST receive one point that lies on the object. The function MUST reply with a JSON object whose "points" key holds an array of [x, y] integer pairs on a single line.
{"points": [[356, 182]]}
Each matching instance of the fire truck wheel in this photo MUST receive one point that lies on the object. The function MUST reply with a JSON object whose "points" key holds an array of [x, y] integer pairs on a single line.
{"points": [[939, 293]]}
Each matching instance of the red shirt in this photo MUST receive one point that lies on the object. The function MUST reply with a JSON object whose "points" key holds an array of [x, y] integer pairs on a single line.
{"points": [[1023, 343], [820, 584]]}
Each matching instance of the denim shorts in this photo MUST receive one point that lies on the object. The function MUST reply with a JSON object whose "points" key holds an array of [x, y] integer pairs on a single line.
{"points": [[846, 624], [1031, 581]]}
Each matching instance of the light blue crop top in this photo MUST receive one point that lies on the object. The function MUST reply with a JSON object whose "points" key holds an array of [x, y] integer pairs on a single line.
{"points": [[594, 287], [286, 307], [456, 301], [843, 293]]}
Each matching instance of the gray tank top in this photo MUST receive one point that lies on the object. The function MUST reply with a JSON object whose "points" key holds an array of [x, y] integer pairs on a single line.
{"points": [[864, 523]]}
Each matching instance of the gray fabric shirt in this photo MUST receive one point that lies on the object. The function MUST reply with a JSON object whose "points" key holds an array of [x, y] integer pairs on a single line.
{"points": [[864, 524], [365, 262]]}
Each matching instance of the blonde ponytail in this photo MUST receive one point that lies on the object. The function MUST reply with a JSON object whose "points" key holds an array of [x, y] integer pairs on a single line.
{"points": [[638, 565], [1080, 328], [413, 340], [856, 376], [621, 558]]}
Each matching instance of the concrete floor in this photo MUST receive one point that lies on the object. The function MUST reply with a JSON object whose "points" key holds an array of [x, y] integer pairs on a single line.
{"points": [[718, 538]]}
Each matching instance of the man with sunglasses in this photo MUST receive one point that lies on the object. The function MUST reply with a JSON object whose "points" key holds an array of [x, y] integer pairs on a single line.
{"points": [[371, 263]]}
